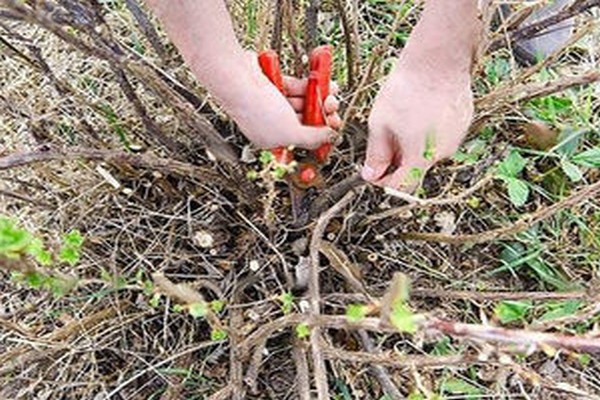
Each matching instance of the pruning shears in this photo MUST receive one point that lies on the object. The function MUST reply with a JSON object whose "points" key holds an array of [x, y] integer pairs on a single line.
{"points": [[307, 176]]}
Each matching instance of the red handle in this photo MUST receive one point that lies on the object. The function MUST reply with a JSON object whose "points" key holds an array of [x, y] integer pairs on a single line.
{"points": [[269, 63], [317, 91]]}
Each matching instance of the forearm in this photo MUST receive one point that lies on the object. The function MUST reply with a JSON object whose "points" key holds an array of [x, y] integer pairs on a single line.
{"points": [[203, 33], [447, 35]]}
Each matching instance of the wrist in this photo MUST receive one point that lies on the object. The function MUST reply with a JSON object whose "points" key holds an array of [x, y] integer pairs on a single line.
{"points": [[446, 37]]}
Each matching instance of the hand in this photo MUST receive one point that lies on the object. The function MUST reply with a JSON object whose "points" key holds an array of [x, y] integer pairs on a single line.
{"points": [[270, 120], [419, 117]]}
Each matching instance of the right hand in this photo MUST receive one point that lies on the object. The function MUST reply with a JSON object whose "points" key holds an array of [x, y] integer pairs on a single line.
{"points": [[419, 117], [269, 119]]}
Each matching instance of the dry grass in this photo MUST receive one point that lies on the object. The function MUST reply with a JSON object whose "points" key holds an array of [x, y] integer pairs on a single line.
{"points": [[108, 338]]}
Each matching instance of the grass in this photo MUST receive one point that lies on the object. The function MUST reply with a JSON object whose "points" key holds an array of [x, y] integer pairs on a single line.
{"points": [[120, 330]]}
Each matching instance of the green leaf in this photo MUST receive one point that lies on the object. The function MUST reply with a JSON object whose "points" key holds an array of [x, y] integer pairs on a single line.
{"points": [[589, 158], [265, 157], [39, 253], [459, 386], [509, 311], [198, 310], [13, 240], [356, 312], [252, 175], [178, 308], [429, 152], [217, 305], [512, 165], [35, 280], [571, 170], [518, 191], [443, 347], [561, 309], [403, 318], [217, 335], [416, 396], [287, 302], [69, 255], [302, 330], [73, 239], [279, 172], [154, 300]]}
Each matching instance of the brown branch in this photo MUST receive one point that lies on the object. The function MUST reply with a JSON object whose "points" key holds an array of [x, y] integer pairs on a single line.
{"points": [[147, 28], [519, 337], [531, 30], [193, 121], [302, 372], [498, 296], [277, 35], [148, 161], [429, 202], [521, 225], [311, 19], [378, 52], [396, 360], [380, 373], [348, 16], [332, 195], [315, 295]]}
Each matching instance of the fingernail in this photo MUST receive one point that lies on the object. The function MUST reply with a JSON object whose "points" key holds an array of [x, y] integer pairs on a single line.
{"points": [[368, 173]]}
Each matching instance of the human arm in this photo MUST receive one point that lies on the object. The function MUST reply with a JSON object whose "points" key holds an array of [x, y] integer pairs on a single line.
{"points": [[203, 33], [425, 107]]}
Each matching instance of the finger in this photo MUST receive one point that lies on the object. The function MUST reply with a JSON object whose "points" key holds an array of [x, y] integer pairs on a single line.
{"points": [[334, 121], [408, 177], [296, 87], [334, 88], [312, 137], [380, 155], [297, 103], [331, 105]]}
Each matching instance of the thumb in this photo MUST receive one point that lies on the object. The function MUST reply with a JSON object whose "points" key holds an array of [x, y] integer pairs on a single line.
{"points": [[380, 153], [308, 137]]}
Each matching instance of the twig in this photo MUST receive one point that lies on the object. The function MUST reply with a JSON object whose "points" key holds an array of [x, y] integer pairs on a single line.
{"points": [[148, 29], [331, 196], [396, 360], [154, 367], [378, 52], [302, 372], [497, 296], [195, 122], [315, 295], [429, 202], [276, 36], [380, 373], [186, 295], [118, 157], [522, 224], [530, 30], [524, 338], [310, 24], [347, 11]]}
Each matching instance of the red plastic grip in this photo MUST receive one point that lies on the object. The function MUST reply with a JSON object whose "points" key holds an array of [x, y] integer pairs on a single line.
{"points": [[269, 63], [317, 91]]}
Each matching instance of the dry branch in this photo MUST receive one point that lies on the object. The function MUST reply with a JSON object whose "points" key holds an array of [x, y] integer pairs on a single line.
{"points": [[314, 294], [521, 225], [164, 165]]}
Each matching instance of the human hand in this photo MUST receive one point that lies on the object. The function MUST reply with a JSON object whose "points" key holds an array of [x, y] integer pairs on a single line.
{"points": [[269, 119], [419, 117]]}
